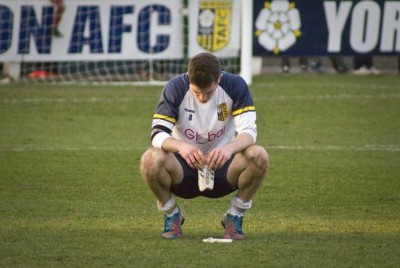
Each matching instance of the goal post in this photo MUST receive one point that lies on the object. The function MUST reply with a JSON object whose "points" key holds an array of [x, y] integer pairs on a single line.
{"points": [[128, 41], [246, 53]]}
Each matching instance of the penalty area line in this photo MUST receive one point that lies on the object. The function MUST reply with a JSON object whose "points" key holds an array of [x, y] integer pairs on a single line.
{"points": [[72, 149], [368, 147]]}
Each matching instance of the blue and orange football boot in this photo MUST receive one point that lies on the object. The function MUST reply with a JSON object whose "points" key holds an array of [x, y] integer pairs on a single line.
{"points": [[233, 227], [173, 226]]}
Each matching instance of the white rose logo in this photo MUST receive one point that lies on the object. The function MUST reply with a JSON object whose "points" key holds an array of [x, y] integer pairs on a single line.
{"points": [[278, 25], [206, 18]]}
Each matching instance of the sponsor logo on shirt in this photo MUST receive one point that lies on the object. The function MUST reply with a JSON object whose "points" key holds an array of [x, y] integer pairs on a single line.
{"points": [[189, 110], [194, 135]]}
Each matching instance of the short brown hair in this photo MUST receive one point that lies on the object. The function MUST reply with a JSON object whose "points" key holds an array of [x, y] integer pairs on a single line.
{"points": [[204, 69]]}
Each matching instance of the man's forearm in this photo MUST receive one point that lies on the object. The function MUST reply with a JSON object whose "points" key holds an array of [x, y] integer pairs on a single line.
{"points": [[171, 145], [241, 142]]}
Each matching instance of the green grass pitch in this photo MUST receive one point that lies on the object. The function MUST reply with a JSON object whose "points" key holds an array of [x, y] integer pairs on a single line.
{"points": [[71, 194]]}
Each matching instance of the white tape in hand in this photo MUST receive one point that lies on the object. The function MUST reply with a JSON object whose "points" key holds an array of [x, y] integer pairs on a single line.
{"points": [[206, 178]]}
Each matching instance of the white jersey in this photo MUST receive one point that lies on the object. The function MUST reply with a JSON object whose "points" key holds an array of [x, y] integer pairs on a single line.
{"points": [[209, 125]]}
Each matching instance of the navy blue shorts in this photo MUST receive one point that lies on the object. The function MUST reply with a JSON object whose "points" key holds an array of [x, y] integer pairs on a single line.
{"points": [[189, 187]]}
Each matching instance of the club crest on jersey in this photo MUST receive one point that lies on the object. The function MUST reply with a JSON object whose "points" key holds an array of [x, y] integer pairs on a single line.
{"points": [[222, 112], [214, 24]]}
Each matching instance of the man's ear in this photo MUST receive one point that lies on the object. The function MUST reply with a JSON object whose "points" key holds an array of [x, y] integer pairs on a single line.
{"points": [[219, 78]]}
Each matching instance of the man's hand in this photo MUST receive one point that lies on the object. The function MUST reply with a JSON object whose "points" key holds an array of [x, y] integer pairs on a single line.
{"points": [[218, 157], [192, 155]]}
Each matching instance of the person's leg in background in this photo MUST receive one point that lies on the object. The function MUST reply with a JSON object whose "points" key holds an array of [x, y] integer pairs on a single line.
{"points": [[303, 61], [285, 64]]}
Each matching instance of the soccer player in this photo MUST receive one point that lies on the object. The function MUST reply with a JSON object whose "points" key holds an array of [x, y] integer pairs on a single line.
{"points": [[205, 118], [60, 8]]}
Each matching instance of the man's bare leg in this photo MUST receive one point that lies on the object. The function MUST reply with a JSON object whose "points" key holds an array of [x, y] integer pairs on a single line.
{"points": [[247, 172], [159, 170]]}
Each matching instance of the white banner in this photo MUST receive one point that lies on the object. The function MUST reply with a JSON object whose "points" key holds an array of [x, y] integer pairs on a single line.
{"points": [[92, 30], [214, 27]]}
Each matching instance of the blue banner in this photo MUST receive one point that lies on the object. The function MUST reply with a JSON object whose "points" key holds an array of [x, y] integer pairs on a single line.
{"points": [[319, 27], [91, 30]]}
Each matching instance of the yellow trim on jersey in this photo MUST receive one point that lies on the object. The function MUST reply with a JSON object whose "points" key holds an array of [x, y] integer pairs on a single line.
{"points": [[164, 117], [243, 110]]}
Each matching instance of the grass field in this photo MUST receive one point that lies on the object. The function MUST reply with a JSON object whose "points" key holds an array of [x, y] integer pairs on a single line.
{"points": [[71, 194]]}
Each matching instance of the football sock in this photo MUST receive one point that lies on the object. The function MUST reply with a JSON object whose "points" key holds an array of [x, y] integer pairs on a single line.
{"points": [[238, 207], [173, 211], [170, 208]]}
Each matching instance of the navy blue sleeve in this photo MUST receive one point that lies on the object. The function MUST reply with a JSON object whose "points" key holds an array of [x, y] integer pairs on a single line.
{"points": [[236, 87], [172, 97]]}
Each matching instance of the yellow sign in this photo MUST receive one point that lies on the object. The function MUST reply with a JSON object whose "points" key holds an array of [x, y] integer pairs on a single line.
{"points": [[214, 29]]}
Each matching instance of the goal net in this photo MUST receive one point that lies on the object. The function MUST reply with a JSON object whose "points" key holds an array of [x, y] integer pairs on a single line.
{"points": [[145, 41]]}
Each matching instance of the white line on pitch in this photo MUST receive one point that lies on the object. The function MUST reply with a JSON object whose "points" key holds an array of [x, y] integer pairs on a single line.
{"points": [[330, 97], [265, 97], [27, 149], [72, 100], [369, 147], [330, 85]]}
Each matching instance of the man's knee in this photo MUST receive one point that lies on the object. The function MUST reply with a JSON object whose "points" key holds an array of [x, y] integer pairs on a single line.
{"points": [[257, 157], [151, 161]]}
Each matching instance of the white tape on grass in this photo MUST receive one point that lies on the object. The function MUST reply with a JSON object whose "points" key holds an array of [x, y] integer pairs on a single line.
{"points": [[217, 240]]}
